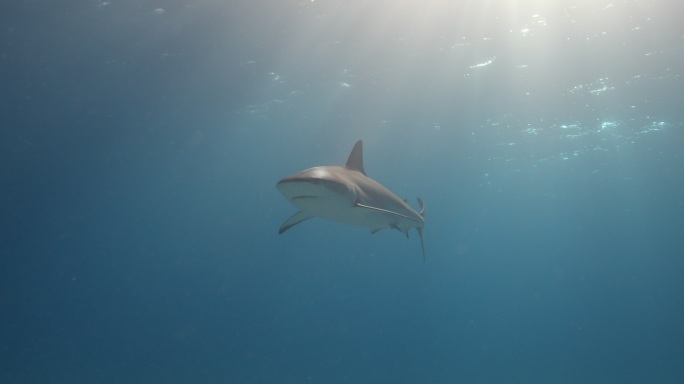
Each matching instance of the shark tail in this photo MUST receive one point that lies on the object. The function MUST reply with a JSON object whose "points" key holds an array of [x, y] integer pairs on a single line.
{"points": [[420, 229], [422, 244]]}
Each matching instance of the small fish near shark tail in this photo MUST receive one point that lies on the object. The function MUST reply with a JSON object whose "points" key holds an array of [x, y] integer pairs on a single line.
{"points": [[422, 207], [420, 229]]}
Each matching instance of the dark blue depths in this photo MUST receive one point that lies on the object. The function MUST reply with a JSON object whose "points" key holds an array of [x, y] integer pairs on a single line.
{"points": [[141, 144]]}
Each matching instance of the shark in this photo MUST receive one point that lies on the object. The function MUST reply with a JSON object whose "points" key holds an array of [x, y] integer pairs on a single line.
{"points": [[347, 195]]}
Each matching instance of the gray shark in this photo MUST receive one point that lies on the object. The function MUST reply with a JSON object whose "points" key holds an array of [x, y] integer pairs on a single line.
{"points": [[346, 195]]}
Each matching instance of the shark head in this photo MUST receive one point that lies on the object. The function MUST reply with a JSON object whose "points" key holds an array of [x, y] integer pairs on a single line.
{"points": [[345, 194], [316, 183]]}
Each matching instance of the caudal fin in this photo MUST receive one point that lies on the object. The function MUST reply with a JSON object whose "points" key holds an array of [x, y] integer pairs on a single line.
{"points": [[420, 229], [422, 244]]}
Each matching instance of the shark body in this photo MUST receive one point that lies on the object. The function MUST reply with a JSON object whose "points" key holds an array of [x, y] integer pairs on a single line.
{"points": [[346, 195]]}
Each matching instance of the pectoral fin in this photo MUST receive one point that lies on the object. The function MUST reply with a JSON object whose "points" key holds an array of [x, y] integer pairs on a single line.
{"points": [[294, 220]]}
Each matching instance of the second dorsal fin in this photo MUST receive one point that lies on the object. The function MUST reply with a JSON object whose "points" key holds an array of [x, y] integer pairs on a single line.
{"points": [[355, 161]]}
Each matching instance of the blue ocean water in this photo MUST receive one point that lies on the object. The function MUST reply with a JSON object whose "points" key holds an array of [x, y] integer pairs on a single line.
{"points": [[141, 142]]}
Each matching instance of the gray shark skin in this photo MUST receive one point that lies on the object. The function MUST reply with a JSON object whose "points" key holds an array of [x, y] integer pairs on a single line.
{"points": [[346, 195]]}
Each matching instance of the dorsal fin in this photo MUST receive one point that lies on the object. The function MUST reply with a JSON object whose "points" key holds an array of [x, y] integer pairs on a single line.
{"points": [[355, 161]]}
